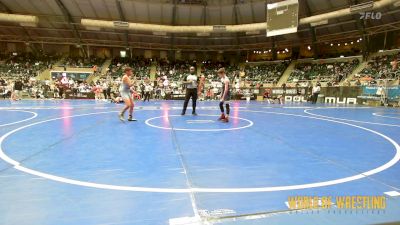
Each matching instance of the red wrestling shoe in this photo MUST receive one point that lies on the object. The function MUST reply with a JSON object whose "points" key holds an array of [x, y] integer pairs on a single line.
{"points": [[222, 117]]}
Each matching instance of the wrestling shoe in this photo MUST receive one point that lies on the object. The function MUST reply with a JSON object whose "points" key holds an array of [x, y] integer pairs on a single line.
{"points": [[121, 117], [131, 119], [225, 120]]}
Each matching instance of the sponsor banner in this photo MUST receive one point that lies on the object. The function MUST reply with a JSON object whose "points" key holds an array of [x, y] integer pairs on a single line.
{"points": [[288, 91], [392, 92], [337, 100], [295, 98]]}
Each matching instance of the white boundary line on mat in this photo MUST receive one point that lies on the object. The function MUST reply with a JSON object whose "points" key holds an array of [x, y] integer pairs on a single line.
{"points": [[20, 121], [17, 165], [307, 111], [392, 117], [199, 130]]}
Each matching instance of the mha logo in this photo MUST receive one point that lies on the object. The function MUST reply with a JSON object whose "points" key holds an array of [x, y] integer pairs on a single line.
{"points": [[370, 15]]}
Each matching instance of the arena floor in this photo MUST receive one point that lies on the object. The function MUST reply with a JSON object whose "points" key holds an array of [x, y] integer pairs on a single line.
{"points": [[74, 162]]}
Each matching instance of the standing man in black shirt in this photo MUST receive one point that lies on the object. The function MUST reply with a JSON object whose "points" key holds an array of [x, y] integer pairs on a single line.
{"points": [[18, 89], [191, 82]]}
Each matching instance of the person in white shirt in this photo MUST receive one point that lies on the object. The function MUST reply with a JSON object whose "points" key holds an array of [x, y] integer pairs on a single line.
{"points": [[225, 95], [106, 90], [237, 85], [165, 82], [64, 79], [147, 91], [315, 92]]}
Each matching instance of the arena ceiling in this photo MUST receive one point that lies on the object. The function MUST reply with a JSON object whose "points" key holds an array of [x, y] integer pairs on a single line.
{"points": [[60, 22]]}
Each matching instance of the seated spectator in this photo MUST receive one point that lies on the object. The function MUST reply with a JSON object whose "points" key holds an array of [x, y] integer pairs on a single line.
{"points": [[323, 72]]}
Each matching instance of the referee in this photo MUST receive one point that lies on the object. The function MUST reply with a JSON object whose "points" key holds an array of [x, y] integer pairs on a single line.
{"points": [[191, 82]]}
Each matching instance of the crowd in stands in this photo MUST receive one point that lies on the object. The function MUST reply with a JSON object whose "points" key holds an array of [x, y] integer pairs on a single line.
{"points": [[141, 65], [174, 71], [80, 62], [13, 88], [19, 72], [266, 73], [210, 69], [381, 67], [25, 65], [330, 73]]}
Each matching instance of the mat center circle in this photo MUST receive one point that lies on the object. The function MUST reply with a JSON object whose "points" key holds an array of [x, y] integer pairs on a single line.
{"points": [[201, 122]]}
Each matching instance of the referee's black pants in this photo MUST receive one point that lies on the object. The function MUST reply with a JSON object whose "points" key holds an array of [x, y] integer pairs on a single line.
{"points": [[314, 98], [190, 93], [146, 96]]}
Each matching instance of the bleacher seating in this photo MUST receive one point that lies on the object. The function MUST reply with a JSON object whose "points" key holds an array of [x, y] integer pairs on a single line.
{"points": [[331, 71], [323, 72], [80, 62], [174, 71], [140, 66], [380, 67], [26, 65], [265, 73], [210, 70]]}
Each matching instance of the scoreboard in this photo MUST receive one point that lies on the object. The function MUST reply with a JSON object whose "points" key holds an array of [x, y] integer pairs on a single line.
{"points": [[282, 17]]}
